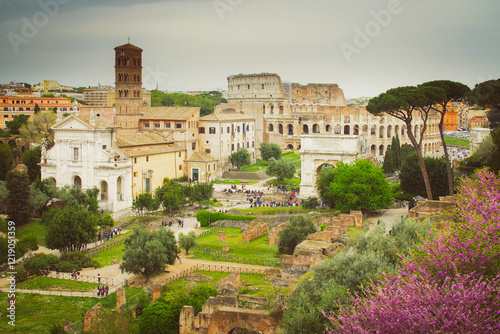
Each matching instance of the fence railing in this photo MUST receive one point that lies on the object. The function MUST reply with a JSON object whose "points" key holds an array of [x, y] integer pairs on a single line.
{"points": [[49, 292], [207, 232], [206, 267], [229, 269], [81, 278], [93, 252], [218, 255]]}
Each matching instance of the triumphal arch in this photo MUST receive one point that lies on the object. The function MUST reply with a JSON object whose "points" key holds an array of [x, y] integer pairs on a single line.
{"points": [[320, 149]]}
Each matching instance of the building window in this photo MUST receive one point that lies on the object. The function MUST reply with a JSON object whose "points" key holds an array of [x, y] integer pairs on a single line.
{"points": [[253, 144], [208, 151], [232, 147], [193, 145], [167, 125], [212, 130], [178, 125], [147, 159], [180, 154], [201, 130], [135, 174], [157, 125], [135, 160], [214, 166], [228, 130], [180, 167], [75, 153], [208, 166], [104, 147], [146, 125]]}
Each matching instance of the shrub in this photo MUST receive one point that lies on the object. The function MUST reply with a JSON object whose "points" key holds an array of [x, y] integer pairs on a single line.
{"points": [[310, 203], [37, 264], [68, 267], [22, 274], [206, 217], [294, 233], [30, 242], [143, 301], [79, 259]]}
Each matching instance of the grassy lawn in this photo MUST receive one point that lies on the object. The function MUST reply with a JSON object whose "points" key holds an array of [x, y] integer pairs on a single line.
{"points": [[354, 231], [34, 227], [259, 286], [256, 249], [264, 210], [456, 141], [35, 313], [290, 183], [106, 258], [233, 182], [261, 165], [48, 283]]}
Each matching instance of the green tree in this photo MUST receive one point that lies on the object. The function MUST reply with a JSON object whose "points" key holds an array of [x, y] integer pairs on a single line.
{"points": [[78, 198], [494, 160], [145, 202], [282, 169], [405, 103], [412, 181], [31, 159], [486, 94], [18, 185], [268, 151], [105, 221], [201, 192], [147, 253], [38, 129], [454, 91], [6, 160], [294, 233], [240, 158], [389, 161], [170, 195], [16, 123], [187, 241], [69, 229], [356, 186], [38, 199], [36, 109]]}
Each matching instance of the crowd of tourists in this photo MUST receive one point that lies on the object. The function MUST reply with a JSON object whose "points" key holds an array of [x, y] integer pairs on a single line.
{"points": [[108, 234], [102, 290]]}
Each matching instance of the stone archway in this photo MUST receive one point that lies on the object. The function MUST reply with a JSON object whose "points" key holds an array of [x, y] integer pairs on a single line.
{"points": [[318, 150]]}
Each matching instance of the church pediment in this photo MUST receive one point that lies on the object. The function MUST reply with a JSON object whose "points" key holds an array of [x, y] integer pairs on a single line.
{"points": [[72, 123]]}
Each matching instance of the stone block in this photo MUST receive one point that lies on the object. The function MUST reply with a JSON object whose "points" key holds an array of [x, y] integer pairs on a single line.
{"points": [[156, 292], [121, 298], [221, 236], [346, 220], [358, 218], [225, 249]]}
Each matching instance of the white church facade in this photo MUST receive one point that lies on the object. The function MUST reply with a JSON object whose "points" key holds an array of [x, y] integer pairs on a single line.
{"points": [[85, 156]]}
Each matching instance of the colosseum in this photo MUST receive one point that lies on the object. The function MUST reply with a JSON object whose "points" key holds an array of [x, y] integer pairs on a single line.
{"points": [[285, 111]]}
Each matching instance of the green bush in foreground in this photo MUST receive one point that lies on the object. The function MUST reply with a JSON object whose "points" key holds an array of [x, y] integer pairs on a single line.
{"points": [[206, 217]]}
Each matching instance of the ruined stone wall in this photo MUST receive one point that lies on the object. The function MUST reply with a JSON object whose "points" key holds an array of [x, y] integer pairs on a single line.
{"points": [[273, 237], [430, 208], [329, 94], [255, 86], [256, 230]]}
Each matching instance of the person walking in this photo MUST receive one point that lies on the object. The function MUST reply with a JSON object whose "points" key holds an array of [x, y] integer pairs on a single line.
{"points": [[98, 278], [180, 259]]}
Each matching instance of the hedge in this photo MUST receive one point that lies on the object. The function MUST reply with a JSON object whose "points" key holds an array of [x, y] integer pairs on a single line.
{"points": [[203, 217]]}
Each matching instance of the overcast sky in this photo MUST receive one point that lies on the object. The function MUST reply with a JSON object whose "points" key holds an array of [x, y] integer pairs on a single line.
{"points": [[364, 46]]}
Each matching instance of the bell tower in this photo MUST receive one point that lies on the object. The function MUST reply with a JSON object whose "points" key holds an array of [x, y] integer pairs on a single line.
{"points": [[128, 78]]}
